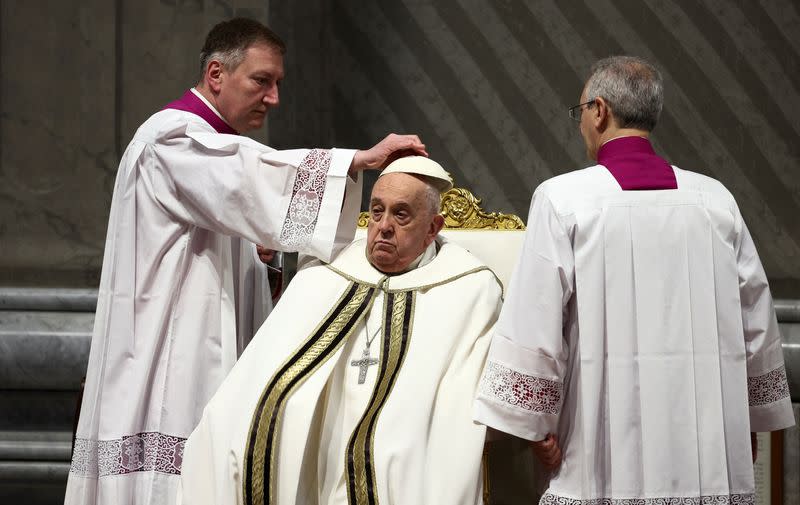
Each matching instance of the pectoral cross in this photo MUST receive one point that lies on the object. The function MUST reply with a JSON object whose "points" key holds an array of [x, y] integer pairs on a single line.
{"points": [[363, 364]]}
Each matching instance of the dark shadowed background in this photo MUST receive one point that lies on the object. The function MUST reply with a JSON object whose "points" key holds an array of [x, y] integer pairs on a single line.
{"points": [[485, 84]]}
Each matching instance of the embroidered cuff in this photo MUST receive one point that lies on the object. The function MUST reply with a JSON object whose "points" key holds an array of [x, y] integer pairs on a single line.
{"points": [[307, 193], [724, 499], [528, 392], [143, 452], [768, 388]]}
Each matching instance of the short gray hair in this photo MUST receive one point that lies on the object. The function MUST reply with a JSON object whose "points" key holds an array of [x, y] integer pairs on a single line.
{"points": [[632, 87], [433, 199], [228, 41], [229, 59]]}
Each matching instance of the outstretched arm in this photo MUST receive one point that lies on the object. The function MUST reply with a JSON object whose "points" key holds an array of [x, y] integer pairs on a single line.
{"points": [[386, 151]]}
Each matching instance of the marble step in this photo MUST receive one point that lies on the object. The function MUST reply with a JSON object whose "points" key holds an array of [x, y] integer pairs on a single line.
{"points": [[14, 493], [34, 466], [53, 299], [791, 356], [44, 350], [20, 446], [38, 410], [788, 311], [39, 472]]}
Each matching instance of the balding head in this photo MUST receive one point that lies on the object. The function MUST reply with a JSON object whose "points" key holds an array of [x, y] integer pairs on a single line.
{"points": [[404, 220]]}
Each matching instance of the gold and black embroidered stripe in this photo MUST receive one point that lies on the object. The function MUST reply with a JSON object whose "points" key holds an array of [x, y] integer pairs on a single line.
{"points": [[262, 442], [398, 317]]}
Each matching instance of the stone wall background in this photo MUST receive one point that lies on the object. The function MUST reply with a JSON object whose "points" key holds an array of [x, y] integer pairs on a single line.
{"points": [[76, 80], [486, 84]]}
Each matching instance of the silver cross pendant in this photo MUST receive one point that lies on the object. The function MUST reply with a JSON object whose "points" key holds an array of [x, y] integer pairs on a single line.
{"points": [[363, 364]]}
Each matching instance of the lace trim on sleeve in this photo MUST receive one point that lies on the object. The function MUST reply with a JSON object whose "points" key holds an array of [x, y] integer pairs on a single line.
{"points": [[719, 499], [528, 392], [767, 388], [142, 452], [307, 193]]}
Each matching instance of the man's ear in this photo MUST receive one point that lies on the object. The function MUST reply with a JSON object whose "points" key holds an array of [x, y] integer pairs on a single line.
{"points": [[213, 75], [601, 116], [436, 225]]}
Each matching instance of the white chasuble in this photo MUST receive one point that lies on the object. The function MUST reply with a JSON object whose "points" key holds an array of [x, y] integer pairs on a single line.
{"points": [[292, 424], [639, 329], [165, 332]]}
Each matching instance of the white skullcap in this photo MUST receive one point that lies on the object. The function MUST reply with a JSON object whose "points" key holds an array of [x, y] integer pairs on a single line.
{"points": [[420, 165]]}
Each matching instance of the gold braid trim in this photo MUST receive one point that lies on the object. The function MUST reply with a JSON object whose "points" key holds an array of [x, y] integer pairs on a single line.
{"points": [[267, 418], [360, 464]]}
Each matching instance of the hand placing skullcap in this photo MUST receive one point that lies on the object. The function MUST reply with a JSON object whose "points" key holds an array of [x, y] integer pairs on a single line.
{"points": [[420, 165]]}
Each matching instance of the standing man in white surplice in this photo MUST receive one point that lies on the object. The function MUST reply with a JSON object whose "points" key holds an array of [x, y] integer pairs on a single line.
{"points": [[189, 187], [638, 346]]}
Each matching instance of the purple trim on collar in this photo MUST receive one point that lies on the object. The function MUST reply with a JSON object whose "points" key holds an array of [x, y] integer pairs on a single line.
{"points": [[635, 166], [190, 102]]}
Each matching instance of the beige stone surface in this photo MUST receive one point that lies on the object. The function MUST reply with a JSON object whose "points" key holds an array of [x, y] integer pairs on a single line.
{"points": [[56, 137], [77, 80]]}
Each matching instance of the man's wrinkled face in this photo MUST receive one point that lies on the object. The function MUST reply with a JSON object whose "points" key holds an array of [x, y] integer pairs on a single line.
{"points": [[402, 224], [251, 89]]}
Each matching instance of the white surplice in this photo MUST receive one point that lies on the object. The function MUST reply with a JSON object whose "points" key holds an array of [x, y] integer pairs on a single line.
{"points": [[639, 328], [252, 291], [165, 330], [425, 449]]}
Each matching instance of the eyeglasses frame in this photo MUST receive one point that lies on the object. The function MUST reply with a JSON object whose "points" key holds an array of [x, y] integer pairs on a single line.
{"points": [[580, 107]]}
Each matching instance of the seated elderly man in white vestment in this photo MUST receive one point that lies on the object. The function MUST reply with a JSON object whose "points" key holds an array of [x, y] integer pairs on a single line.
{"points": [[638, 347], [358, 388]]}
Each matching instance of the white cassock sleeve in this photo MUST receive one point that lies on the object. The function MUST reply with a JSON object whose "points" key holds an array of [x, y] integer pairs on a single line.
{"points": [[252, 289], [521, 390], [285, 200], [213, 471], [767, 388]]}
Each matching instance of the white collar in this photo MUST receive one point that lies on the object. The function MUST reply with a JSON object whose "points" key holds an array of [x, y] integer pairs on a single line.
{"points": [[622, 137], [423, 259], [215, 111], [450, 262]]}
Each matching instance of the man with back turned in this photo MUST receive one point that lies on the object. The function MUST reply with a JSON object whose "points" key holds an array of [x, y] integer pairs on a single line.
{"points": [[638, 347]]}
